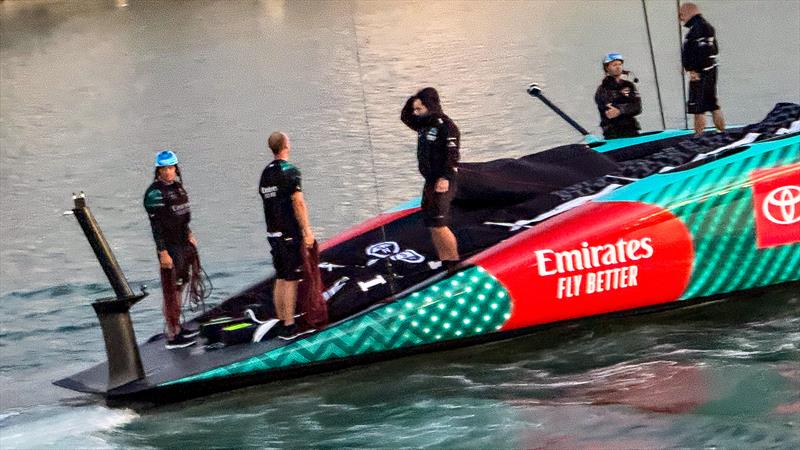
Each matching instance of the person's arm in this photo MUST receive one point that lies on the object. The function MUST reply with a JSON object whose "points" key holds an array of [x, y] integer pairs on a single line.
{"points": [[408, 117], [294, 185], [602, 100], [451, 141], [301, 214], [634, 107], [692, 54], [605, 104], [156, 208], [706, 45]]}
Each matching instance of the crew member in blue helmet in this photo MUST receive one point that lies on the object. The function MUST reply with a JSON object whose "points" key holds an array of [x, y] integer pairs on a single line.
{"points": [[617, 100], [438, 142], [288, 229], [167, 205], [699, 59]]}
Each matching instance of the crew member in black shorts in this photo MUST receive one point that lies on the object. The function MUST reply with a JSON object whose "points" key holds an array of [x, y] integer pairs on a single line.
{"points": [[167, 206], [437, 157], [699, 59], [287, 229]]}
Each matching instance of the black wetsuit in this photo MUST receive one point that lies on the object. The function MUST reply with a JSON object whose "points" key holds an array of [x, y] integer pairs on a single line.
{"points": [[279, 180], [438, 141], [168, 208], [622, 95], [699, 54]]}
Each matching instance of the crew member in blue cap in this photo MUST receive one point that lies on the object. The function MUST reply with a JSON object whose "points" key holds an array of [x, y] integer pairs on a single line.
{"points": [[617, 100], [167, 205]]}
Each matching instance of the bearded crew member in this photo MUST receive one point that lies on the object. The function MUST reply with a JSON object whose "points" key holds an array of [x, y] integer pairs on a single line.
{"points": [[438, 141], [167, 206], [288, 229], [617, 100]]}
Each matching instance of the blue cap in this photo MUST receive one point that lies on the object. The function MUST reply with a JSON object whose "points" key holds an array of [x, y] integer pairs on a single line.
{"points": [[613, 57], [166, 158]]}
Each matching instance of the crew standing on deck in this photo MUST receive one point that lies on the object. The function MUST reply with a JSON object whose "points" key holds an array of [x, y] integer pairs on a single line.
{"points": [[437, 156], [288, 229], [167, 205], [699, 58], [617, 100]]}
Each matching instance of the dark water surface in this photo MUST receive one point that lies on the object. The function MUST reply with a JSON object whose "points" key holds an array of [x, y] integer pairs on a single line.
{"points": [[91, 90]]}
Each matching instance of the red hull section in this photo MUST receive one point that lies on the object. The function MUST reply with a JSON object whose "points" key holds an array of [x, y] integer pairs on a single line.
{"points": [[600, 258]]}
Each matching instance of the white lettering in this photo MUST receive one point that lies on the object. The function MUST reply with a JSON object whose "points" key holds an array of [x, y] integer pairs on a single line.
{"points": [[551, 262], [647, 248], [542, 260], [367, 285], [269, 191]]}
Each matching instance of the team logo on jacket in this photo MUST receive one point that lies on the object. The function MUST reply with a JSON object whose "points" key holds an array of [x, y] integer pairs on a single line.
{"points": [[391, 250], [432, 134], [776, 204]]}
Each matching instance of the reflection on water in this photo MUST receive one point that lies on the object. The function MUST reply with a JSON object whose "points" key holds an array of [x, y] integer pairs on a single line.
{"points": [[90, 90]]}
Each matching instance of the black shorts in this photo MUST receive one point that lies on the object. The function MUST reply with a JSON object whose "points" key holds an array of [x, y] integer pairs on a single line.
{"points": [[287, 257], [436, 206], [703, 93]]}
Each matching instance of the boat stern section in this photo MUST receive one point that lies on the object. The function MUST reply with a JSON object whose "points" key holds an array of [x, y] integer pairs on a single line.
{"points": [[469, 303]]}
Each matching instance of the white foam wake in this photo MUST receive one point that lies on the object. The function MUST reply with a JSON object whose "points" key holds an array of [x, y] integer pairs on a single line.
{"points": [[63, 427]]}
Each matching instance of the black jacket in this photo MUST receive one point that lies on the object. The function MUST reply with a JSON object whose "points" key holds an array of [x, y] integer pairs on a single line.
{"points": [[623, 96], [438, 140], [168, 207], [700, 48]]}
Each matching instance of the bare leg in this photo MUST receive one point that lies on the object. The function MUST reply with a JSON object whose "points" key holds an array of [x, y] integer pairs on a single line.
{"points": [[285, 300], [278, 298], [719, 120], [290, 302], [699, 123], [445, 242]]}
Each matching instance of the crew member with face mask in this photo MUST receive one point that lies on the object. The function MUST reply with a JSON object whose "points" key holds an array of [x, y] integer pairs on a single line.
{"points": [[438, 141]]}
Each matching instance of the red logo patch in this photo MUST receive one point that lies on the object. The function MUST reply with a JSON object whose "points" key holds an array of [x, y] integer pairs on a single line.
{"points": [[776, 203]]}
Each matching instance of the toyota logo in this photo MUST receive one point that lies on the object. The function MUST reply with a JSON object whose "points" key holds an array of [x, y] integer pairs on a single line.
{"points": [[782, 205]]}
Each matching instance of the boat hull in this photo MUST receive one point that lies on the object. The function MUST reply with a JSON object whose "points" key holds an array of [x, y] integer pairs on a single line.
{"points": [[697, 233]]}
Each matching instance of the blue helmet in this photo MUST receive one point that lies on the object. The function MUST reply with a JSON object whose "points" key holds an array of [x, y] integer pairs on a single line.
{"points": [[166, 158], [613, 56]]}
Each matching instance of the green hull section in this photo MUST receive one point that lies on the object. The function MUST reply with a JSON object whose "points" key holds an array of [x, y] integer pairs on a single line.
{"points": [[715, 201], [470, 303]]}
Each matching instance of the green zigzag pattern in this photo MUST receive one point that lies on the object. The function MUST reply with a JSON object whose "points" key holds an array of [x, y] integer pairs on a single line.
{"points": [[716, 204], [469, 303]]}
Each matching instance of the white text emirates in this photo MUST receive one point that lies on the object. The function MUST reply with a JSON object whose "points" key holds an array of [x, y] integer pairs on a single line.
{"points": [[550, 262]]}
